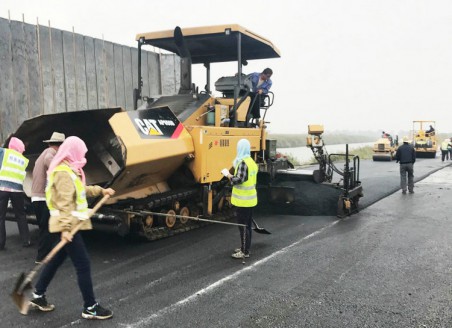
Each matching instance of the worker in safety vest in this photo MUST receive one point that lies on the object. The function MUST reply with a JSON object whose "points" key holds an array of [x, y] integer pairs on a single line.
{"points": [[12, 175], [444, 149], [66, 199], [244, 194]]}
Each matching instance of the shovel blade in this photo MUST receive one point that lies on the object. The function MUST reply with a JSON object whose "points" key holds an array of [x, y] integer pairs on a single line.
{"points": [[21, 294], [260, 230]]}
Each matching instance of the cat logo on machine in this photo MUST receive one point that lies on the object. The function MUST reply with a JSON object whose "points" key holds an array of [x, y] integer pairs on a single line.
{"points": [[156, 123], [148, 127]]}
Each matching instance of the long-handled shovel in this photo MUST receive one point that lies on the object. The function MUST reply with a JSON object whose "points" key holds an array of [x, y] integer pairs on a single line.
{"points": [[255, 228], [260, 230], [23, 287]]}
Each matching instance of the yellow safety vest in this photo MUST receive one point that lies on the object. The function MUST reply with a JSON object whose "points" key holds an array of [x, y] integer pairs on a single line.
{"points": [[12, 169], [81, 211], [444, 145], [245, 194]]}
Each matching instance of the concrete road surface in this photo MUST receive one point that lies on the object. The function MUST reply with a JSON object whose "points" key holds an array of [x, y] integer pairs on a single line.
{"points": [[387, 266]]}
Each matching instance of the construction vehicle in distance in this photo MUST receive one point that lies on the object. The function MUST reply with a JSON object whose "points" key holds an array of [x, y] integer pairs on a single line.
{"points": [[166, 157], [385, 148], [424, 139]]}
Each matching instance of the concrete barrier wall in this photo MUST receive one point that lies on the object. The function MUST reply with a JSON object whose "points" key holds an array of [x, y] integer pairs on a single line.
{"points": [[46, 70]]}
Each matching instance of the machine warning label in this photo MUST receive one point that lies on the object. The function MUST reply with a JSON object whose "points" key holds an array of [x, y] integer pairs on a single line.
{"points": [[221, 143], [224, 142], [157, 122]]}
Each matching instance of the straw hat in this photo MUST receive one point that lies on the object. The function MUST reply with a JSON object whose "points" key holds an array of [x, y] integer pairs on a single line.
{"points": [[56, 138]]}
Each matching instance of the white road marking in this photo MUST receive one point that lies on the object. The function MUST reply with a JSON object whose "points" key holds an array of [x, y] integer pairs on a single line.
{"points": [[147, 320]]}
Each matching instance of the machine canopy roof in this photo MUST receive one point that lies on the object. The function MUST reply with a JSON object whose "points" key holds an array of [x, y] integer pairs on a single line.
{"points": [[212, 44]]}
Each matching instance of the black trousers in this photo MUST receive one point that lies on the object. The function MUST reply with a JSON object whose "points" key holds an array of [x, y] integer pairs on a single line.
{"points": [[444, 155], [46, 240], [17, 201], [255, 105], [76, 250], [245, 216]]}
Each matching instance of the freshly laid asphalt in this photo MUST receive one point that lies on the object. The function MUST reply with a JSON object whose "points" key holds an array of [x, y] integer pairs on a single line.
{"points": [[387, 266]]}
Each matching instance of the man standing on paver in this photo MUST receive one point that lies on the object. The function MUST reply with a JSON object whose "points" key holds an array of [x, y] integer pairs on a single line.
{"points": [[406, 156]]}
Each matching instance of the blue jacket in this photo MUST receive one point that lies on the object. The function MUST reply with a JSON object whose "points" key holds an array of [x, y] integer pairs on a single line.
{"points": [[265, 86]]}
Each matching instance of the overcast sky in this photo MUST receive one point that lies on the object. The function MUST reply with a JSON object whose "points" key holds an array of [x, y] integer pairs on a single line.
{"points": [[347, 64]]}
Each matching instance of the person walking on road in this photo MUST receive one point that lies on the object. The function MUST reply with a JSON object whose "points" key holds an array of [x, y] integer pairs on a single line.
{"points": [[12, 175], [445, 149], [66, 199], [46, 240], [406, 156], [244, 194], [449, 148]]}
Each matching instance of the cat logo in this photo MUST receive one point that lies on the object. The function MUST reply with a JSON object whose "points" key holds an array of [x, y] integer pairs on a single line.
{"points": [[148, 127], [156, 123]]}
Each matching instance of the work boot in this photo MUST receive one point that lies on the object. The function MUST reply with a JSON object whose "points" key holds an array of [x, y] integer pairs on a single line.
{"points": [[40, 302], [404, 192], [96, 312]]}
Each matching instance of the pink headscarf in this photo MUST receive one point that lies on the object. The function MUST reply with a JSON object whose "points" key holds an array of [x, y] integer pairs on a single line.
{"points": [[73, 151], [16, 144]]}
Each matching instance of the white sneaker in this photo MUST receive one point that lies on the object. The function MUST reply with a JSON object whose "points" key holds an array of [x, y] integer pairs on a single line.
{"points": [[240, 255], [239, 250]]}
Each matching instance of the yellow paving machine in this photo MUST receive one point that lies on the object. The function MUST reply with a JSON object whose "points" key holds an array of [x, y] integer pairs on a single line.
{"points": [[166, 156], [385, 148], [425, 139]]}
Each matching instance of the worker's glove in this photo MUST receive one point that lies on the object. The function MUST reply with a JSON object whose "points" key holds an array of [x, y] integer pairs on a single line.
{"points": [[225, 172]]}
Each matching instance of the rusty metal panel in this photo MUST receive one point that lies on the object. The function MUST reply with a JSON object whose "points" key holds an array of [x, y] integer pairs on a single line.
{"points": [[20, 73], [129, 82], [7, 125], [34, 70], [91, 77], [58, 69], [69, 71], [119, 75], [48, 86], [100, 73], [80, 73], [154, 73], [167, 63], [110, 74]]}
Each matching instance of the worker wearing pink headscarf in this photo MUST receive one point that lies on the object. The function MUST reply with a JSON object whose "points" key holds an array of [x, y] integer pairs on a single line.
{"points": [[13, 167], [66, 198]]}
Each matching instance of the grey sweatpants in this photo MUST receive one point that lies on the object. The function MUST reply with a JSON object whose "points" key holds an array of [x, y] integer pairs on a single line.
{"points": [[407, 169]]}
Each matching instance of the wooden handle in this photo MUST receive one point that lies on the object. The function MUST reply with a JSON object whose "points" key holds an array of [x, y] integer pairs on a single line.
{"points": [[74, 230]]}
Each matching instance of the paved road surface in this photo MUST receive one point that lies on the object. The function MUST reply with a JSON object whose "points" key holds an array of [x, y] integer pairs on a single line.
{"points": [[387, 266]]}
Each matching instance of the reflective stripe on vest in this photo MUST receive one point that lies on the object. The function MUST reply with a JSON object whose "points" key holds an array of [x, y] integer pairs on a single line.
{"points": [[12, 169], [245, 194], [81, 210]]}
